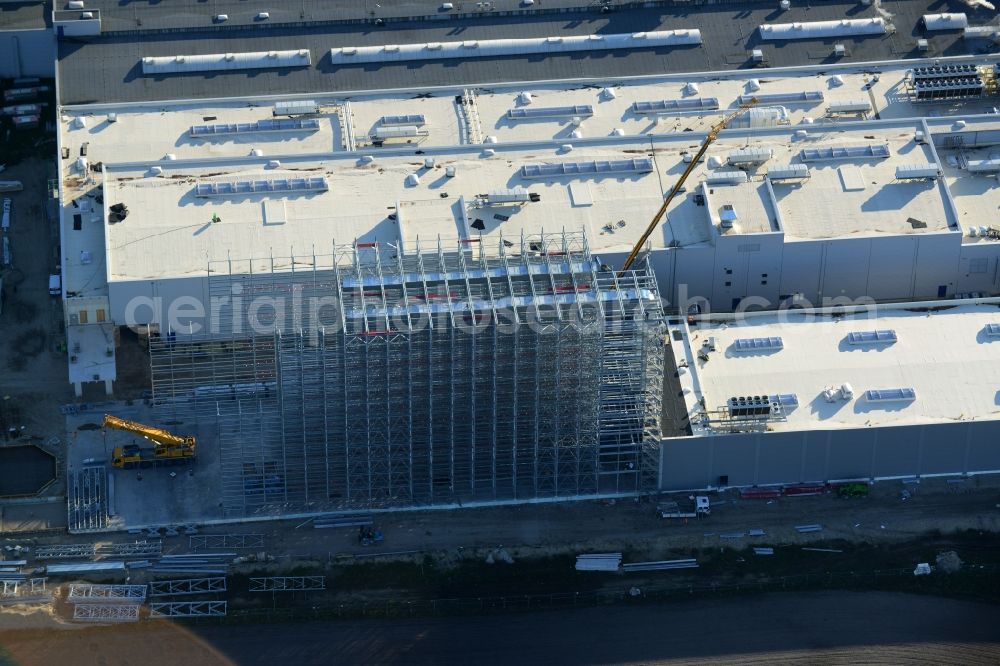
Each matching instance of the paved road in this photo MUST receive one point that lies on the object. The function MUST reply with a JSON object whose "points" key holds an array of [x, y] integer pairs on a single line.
{"points": [[826, 627]]}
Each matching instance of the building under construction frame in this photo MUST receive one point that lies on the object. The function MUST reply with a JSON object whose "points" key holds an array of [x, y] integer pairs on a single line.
{"points": [[436, 374]]}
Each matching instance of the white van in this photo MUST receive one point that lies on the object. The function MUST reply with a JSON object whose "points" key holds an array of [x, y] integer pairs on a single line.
{"points": [[55, 285]]}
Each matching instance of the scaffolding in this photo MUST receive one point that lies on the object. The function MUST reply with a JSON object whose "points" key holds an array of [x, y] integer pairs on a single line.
{"points": [[109, 613], [433, 374], [106, 594]]}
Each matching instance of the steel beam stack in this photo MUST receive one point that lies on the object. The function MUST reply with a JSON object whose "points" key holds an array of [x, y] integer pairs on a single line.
{"points": [[430, 374]]}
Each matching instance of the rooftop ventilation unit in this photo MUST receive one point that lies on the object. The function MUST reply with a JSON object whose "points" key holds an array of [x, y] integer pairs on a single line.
{"points": [[992, 330], [983, 166], [778, 98], [877, 337], [917, 172], [750, 405], [511, 47], [397, 132], [785, 400], [594, 168], [727, 216], [583, 111], [873, 151], [296, 108], [248, 187], [726, 177], [417, 119], [749, 156], [665, 106], [891, 395], [772, 343], [945, 21], [516, 195], [822, 29], [788, 172], [850, 106], [225, 61], [289, 125]]}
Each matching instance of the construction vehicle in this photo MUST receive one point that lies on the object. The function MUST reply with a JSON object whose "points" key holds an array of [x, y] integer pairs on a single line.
{"points": [[168, 448], [678, 187], [670, 509]]}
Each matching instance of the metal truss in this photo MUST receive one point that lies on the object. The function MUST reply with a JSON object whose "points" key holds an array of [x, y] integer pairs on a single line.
{"points": [[237, 541], [87, 500], [187, 609], [441, 373], [287, 583], [28, 588], [106, 594], [106, 612], [134, 549], [166, 588], [65, 551]]}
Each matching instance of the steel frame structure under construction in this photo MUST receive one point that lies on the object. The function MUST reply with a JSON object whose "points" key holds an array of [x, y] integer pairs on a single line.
{"points": [[382, 376]]}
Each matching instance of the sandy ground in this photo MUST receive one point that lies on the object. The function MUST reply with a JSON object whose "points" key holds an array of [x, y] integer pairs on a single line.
{"points": [[801, 628]]}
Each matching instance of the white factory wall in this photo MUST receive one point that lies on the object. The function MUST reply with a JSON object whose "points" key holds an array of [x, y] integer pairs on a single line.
{"points": [[161, 294], [770, 458], [979, 268], [765, 266], [27, 53]]}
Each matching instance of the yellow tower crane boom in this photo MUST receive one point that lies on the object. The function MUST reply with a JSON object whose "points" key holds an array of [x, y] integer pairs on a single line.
{"points": [[712, 135], [167, 447]]}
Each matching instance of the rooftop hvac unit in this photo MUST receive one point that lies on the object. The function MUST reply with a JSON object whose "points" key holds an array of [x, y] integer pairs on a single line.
{"points": [[514, 195], [295, 108], [917, 172], [726, 178], [788, 172], [945, 21], [397, 132], [850, 106], [750, 156], [983, 166]]}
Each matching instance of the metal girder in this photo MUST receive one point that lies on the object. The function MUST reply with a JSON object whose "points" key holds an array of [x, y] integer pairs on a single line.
{"points": [[187, 609], [208, 541], [106, 612], [65, 551], [165, 588], [106, 594], [287, 583], [137, 548]]}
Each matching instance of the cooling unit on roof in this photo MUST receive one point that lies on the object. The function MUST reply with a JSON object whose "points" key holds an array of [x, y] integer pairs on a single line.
{"points": [[992, 330], [983, 166], [771, 343], [248, 187], [875, 151], [581, 110], [181, 64], [917, 172], [593, 168], [850, 106], [785, 400], [822, 29], [726, 177], [885, 336], [653, 108], [749, 156], [414, 119], [788, 172], [289, 125], [955, 21], [891, 395], [750, 405], [296, 108], [779, 98]]}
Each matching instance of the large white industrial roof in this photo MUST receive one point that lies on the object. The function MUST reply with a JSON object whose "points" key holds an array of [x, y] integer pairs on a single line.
{"points": [[848, 193], [948, 356]]}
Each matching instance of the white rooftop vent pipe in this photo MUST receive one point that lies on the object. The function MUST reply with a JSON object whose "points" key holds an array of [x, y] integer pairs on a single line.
{"points": [[155, 170], [79, 122], [807, 121], [576, 134], [836, 81], [785, 5], [112, 117], [608, 93], [256, 152], [75, 4], [273, 164], [449, 172], [618, 131], [81, 165], [753, 85], [524, 98], [566, 147], [489, 152], [366, 159], [170, 157], [412, 180], [490, 139], [691, 89]]}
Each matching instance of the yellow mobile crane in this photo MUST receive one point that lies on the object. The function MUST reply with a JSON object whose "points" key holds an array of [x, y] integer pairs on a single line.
{"points": [[712, 135], [168, 448]]}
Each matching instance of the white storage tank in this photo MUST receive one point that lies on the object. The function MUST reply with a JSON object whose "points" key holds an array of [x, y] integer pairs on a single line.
{"points": [[956, 21]]}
